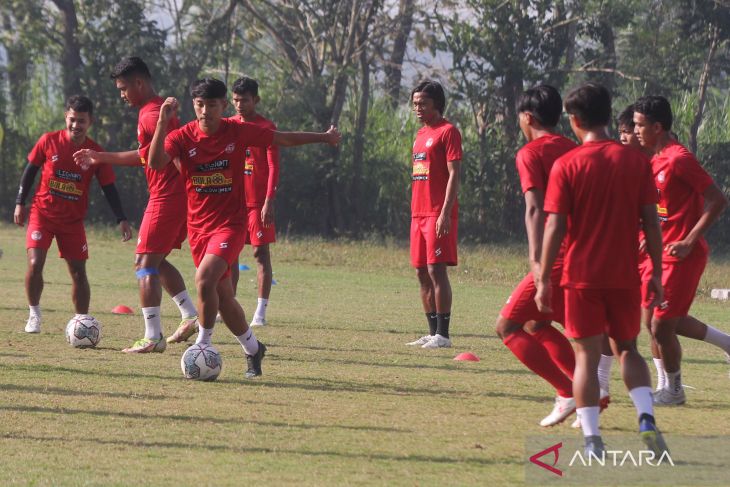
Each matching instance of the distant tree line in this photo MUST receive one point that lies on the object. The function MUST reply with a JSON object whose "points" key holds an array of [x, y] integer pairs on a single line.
{"points": [[352, 63]]}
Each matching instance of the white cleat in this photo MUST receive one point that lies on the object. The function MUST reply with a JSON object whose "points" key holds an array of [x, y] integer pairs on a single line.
{"points": [[33, 325], [564, 407], [420, 342], [665, 397], [258, 321], [437, 341]]}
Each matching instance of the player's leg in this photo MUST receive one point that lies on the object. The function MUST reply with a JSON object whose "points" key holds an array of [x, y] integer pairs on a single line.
{"points": [[73, 248], [586, 388], [418, 260], [235, 275], [555, 343], [691, 327], [174, 284], [264, 275], [647, 316], [80, 291], [441, 252], [147, 270], [34, 287], [664, 331]]}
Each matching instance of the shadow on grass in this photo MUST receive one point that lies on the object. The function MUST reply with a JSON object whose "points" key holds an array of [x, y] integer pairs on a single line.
{"points": [[58, 391], [193, 419], [249, 450]]}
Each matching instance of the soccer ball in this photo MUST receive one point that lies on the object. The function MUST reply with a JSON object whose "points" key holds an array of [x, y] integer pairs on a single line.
{"points": [[201, 362], [83, 331]]}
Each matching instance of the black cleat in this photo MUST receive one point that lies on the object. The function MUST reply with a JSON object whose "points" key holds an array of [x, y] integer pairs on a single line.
{"points": [[254, 362]]}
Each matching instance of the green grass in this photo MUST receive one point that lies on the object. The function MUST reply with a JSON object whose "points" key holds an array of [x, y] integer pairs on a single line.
{"points": [[341, 402]]}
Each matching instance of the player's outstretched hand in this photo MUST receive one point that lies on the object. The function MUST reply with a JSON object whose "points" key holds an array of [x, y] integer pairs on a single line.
{"points": [[19, 215], [655, 291], [333, 136], [126, 230], [85, 158], [168, 109], [542, 297]]}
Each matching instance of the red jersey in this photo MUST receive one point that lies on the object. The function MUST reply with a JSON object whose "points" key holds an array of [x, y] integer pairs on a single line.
{"points": [[167, 181], [212, 167], [601, 187], [261, 168], [536, 158], [63, 193], [433, 148], [680, 182]]}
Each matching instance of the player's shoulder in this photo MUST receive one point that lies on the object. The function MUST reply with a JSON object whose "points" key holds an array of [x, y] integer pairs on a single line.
{"points": [[676, 153], [446, 127], [265, 122]]}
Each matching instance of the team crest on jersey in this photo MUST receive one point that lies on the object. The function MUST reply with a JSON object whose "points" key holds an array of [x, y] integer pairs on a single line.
{"points": [[36, 235], [660, 177], [192, 152], [230, 148], [429, 142], [54, 158]]}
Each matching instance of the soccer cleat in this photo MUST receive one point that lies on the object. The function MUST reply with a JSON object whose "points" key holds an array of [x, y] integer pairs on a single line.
{"points": [[254, 362], [564, 407], [188, 327], [594, 446], [665, 397], [258, 321], [603, 402], [437, 341], [147, 345], [420, 342], [33, 325], [651, 436]]}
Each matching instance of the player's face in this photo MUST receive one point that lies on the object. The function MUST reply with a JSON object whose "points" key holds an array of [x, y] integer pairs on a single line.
{"points": [[130, 90], [627, 137], [209, 111], [646, 132], [77, 124], [245, 104], [424, 108]]}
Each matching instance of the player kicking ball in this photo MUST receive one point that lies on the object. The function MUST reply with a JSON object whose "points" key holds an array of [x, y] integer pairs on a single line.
{"points": [[261, 175], [211, 153], [689, 203], [542, 348], [597, 198], [434, 209], [60, 204], [163, 223]]}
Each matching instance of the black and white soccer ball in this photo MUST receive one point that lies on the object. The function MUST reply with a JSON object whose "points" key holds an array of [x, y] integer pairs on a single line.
{"points": [[201, 362], [83, 331]]}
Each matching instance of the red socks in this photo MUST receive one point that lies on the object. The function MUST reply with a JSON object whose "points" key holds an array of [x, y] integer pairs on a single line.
{"points": [[531, 353], [558, 347]]}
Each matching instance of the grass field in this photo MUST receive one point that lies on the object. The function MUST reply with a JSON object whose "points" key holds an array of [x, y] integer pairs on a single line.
{"points": [[341, 402]]}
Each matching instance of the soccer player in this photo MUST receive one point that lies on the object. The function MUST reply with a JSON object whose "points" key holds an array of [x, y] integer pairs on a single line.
{"points": [[60, 204], [163, 223], [689, 203], [597, 197], [626, 135], [211, 153], [434, 209], [543, 349], [261, 175]]}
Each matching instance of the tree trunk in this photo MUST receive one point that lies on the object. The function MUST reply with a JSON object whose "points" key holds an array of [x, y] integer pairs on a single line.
{"points": [[358, 146], [71, 61], [394, 69], [702, 91]]}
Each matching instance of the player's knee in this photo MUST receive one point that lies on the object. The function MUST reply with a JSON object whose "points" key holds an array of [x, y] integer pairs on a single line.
{"points": [[143, 272], [78, 274]]}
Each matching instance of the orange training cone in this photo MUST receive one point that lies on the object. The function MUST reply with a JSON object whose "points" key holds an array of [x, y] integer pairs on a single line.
{"points": [[467, 356], [122, 310]]}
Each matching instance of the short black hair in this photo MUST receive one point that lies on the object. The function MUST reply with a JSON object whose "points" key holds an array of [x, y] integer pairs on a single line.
{"points": [[208, 88], [591, 103], [626, 118], [434, 91], [657, 109], [544, 103], [245, 85], [79, 103], [129, 67]]}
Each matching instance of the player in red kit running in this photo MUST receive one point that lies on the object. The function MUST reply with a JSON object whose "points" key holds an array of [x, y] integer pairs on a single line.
{"points": [[60, 204], [261, 176], [211, 153], [544, 350], [434, 209], [689, 203], [163, 223], [598, 197]]}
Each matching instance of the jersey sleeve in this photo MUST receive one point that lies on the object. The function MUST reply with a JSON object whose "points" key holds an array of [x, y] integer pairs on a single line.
{"points": [[530, 170], [37, 155], [452, 144], [173, 144], [250, 134], [689, 170], [272, 158], [558, 197], [105, 174]]}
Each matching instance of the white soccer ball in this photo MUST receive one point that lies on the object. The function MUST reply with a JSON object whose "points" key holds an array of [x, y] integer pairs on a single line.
{"points": [[201, 362], [83, 331]]}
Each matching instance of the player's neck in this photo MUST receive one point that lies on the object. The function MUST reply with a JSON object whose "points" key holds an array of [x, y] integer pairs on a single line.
{"points": [[595, 135], [250, 118], [434, 121], [536, 133], [210, 127], [662, 142], [148, 96]]}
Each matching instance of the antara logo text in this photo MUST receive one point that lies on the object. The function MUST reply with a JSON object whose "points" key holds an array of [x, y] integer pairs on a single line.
{"points": [[609, 459]]}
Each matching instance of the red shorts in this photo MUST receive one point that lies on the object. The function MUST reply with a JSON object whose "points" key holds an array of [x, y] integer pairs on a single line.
{"points": [[426, 248], [591, 312], [70, 237], [163, 226], [521, 306], [680, 280], [258, 234], [226, 243]]}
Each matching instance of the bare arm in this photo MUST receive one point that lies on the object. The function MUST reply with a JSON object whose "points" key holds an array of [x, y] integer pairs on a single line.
{"points": [[653, 243], [158, 158], [89, 157], [715, 204], [443, 223], [555, 229], [535, 226], [290, 139]]}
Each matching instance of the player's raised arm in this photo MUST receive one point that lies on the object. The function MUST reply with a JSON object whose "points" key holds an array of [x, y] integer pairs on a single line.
{"points": [[89, 157], [158, 158], [290, 139]]}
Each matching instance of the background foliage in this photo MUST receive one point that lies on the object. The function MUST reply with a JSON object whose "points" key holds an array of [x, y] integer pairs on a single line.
{"points": [[352, 62]]}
